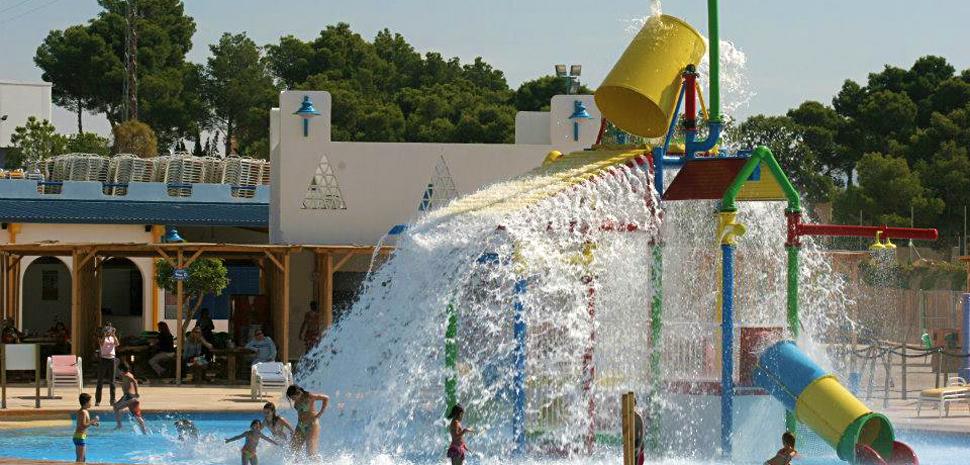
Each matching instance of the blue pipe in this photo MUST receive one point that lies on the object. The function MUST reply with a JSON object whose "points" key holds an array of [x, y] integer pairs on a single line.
{"points": [[713, 135], [727, 348], [965, 372], [518, 381]]}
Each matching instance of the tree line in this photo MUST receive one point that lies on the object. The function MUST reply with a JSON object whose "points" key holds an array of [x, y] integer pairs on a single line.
{"points": [[383, 89], [891, 150]]}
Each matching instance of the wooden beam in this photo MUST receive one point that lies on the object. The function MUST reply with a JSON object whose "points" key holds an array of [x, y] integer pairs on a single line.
{"points": [[274, 260], [161, 253], [178, 322], [193, 257], [327, 303], [285, 343], [342, 261]]}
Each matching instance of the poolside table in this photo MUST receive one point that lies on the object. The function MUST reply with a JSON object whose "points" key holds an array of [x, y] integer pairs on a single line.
{"points": [[231, 355]]}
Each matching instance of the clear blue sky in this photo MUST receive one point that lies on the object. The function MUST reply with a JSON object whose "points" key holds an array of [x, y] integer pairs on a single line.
{"points": [[795, 50]]}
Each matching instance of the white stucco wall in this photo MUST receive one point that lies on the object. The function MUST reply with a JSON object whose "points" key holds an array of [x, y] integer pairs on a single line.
{"points": [[20, 100], [104, 233], [382, 184]]}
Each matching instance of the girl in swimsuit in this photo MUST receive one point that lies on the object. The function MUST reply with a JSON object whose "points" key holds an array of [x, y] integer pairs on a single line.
{"points": [[307, 431], [457, 449], [252, 442], [277, 425]]}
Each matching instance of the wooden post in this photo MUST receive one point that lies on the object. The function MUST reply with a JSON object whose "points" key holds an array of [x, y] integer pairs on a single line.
{"points": [[3, 286], [178, 321], [904, 368], [3, 374], [629, 425], [37, 376], [327, 290], [285, 343], [75, 305]]}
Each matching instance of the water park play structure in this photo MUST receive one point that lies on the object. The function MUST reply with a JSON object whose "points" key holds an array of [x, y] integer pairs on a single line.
{"points": [[643, 95]]}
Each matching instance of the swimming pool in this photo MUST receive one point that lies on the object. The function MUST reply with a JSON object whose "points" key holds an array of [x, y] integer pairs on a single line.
{"points": [[162, 446]]}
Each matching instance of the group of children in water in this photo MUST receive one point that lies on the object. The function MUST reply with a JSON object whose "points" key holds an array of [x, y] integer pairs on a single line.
{"points": [[304, 436]]}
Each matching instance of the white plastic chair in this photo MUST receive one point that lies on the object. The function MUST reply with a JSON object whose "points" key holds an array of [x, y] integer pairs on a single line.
{"points": [[63, 371], [269, 376]]}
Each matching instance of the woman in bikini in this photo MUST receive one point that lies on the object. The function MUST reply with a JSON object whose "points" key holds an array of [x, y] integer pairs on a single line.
{"points": [[307, 431], [277, 425]]}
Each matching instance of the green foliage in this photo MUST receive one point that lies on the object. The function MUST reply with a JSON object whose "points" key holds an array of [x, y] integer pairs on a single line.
{"points": [[34, 141], [793, 146], [922, 274], [206, 276], [887, 188], [385, 91], [136, 138], [896, 143], [76, 61], [240, 90], [88, 142], [536, 94], [86, 64]]}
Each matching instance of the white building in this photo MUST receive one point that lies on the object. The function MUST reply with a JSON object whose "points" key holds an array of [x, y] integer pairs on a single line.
{"points": [[19, 101], [336, 199]]}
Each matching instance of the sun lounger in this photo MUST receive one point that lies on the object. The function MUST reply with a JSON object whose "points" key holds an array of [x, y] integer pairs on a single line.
{"points": [[956, 390], [269, 376]]}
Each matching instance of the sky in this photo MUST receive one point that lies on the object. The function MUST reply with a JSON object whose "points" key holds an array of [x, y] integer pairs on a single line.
{"points": [[795, 50]]}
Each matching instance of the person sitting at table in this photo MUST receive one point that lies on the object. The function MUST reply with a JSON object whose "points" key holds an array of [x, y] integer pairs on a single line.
{"points": [[192, 352], [265, 348], [164, 349]]}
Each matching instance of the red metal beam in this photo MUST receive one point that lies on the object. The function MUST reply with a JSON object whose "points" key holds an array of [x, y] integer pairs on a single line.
{"points": [[803, 229]]}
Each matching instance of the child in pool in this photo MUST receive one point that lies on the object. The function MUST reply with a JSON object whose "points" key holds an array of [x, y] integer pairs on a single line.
{"points": [[186, 429], [457, 449], [130, 400], [84, 420], [277, 425], [252, 442], [786, 453]]}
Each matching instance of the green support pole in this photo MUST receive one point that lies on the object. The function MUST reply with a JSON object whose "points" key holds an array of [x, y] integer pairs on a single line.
{"points": [[715, 58], [451, 358], [791, 424], [656, 333]]}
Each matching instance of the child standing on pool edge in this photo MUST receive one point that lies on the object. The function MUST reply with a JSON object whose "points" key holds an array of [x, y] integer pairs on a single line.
{"points": [[457, 449], [84, 421], [252, 442]]}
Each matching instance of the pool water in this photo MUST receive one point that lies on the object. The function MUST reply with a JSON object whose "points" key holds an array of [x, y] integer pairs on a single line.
{"points": [[162, 446]]}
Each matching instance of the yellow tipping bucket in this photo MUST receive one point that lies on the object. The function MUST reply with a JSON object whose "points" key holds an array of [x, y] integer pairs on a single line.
{"points": [[640, 93]]}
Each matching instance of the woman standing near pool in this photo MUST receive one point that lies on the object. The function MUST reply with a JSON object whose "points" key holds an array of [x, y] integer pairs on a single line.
{"points": [[307, 431]]}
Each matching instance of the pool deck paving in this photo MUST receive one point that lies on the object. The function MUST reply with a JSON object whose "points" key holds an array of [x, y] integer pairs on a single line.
{"points": [[20, 411]]}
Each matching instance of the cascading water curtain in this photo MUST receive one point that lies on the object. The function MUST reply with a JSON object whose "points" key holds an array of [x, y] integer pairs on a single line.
{"points": [[584, 309]]}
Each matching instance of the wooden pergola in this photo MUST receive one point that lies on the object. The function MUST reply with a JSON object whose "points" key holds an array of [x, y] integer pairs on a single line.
{"points": [[329, 259], [86, 276]]}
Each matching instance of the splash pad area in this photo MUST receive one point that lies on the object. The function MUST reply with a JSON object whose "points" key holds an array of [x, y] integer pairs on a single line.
{"points": [[687, 275], [538, 302]]}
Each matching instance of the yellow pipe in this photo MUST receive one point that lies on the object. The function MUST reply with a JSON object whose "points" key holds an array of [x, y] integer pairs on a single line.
{"points": [[828, 408], [700, 98]]}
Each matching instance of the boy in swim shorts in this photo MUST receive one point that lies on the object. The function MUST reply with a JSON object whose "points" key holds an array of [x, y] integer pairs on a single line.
{"points": [[84, 420], [252, 442], [130, 400]]}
